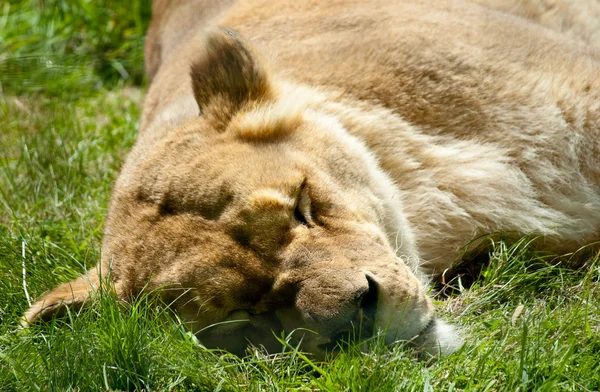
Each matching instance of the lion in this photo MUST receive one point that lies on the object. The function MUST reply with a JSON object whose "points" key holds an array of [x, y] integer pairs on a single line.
{"points": [[305, 168]]}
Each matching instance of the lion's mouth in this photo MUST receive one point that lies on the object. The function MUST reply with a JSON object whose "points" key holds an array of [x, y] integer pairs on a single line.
{"points": [[259, 330], [437, 337], [428, 328]]}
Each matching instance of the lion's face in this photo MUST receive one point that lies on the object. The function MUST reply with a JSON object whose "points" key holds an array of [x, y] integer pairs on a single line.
{"points": [[253, 235]]}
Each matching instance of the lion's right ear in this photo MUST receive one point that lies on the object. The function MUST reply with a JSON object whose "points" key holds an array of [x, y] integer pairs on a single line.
{"points": [[55, 302], [227, 75]]}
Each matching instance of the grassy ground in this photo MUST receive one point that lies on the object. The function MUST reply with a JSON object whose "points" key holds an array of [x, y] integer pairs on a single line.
{"points": [[70, 74]]}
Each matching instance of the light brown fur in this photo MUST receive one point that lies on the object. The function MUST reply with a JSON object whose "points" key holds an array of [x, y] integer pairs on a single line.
{"points": [[373, 141]]}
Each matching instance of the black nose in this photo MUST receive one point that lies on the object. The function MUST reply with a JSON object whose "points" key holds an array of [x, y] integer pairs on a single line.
{"points": [[368, 301], [362, 324]]}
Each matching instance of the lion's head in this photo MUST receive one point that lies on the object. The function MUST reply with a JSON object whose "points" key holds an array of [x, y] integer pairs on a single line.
{"points": [[264, 215]]}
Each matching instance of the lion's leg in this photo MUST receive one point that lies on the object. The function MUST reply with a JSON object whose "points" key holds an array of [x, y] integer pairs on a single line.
{"points": [[73, 295]]}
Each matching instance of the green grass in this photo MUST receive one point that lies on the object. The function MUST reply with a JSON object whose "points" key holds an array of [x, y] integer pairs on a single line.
{"points": [[71, 47], [65, 128]]}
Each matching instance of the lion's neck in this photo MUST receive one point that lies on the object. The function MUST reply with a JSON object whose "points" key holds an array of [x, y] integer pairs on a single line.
{"points": [[450, 190]]}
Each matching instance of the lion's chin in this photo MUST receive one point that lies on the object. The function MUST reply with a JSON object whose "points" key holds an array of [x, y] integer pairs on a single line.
{"points": [[438, 338]]}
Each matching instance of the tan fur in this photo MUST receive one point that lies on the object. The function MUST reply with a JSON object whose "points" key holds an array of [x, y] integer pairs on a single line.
{"points": [[365, 147]]}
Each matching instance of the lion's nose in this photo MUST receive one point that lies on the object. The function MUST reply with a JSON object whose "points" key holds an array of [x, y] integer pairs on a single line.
{"points": [[369, 299], [361, 325]]}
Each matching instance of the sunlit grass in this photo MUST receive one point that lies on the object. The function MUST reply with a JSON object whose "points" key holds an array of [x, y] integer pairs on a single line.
{"points": [[528, 323], [71, 47]]}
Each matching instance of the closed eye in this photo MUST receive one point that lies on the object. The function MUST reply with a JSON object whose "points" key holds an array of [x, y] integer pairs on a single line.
{"points": [[302, 209], [299, 216]]}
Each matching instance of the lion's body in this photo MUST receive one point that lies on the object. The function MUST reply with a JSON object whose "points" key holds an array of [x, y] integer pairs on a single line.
{"points": [[434, 121], [486, 122]]}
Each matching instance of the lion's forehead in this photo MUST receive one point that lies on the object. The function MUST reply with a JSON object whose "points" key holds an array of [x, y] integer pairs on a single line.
{"points": [[182, 176], [244, 156]]}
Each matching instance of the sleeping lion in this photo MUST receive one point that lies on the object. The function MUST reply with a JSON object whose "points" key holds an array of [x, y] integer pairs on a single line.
{"points": [[304, 167]]}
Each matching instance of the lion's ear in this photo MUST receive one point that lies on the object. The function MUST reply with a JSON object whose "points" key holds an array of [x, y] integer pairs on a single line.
{"points": [[227, 75], [55, 302]]}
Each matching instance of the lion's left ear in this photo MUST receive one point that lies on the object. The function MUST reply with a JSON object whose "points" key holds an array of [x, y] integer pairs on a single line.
{"points": [[228, 75]]}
